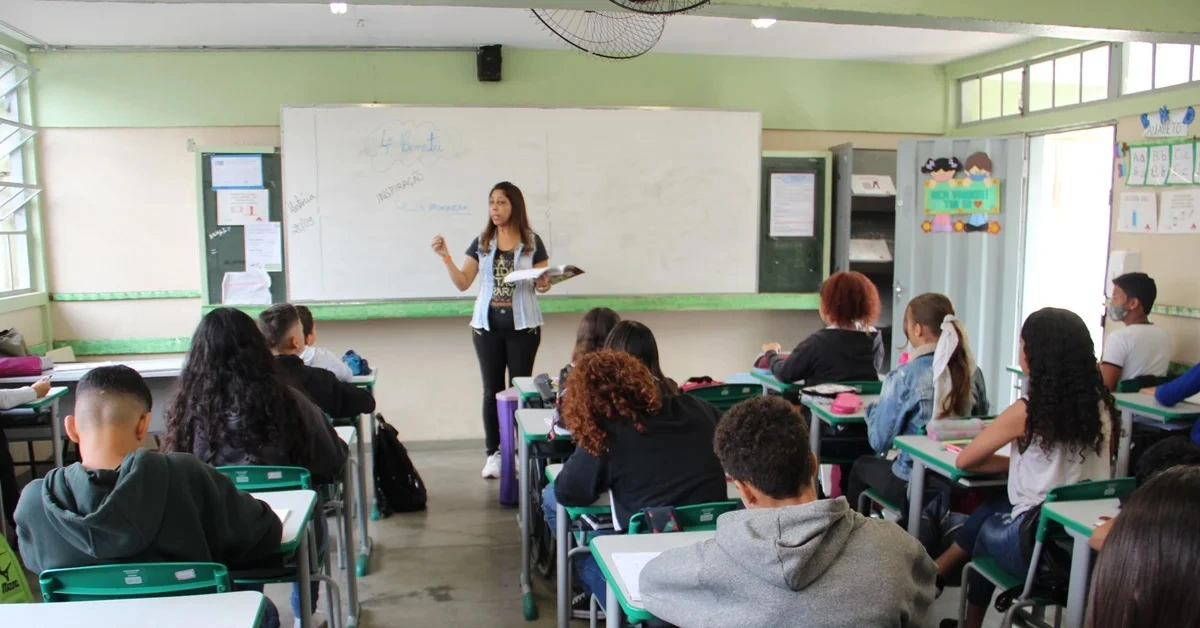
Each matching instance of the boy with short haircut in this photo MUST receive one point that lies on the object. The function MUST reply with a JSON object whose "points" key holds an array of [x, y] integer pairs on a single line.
{"points": [[1139, 349], [315, 356], [788, 559], [281, 326], [125, 504]]}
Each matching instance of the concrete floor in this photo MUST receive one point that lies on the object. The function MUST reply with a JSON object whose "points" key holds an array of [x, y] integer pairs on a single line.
{"points": [[456, 564]]}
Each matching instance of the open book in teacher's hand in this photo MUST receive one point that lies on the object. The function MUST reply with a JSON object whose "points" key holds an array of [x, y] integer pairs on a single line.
{"points": [[556, 274]]}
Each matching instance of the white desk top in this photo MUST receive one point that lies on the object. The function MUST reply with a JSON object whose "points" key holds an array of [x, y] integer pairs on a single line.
{"points": [[1080, 517], [218, 610], [935, 457], [606, 546], [74, 371], [345, 433], [524, 385], [1146, 405], [365, 380], [827, 416], [300, 506], [533, 420]]}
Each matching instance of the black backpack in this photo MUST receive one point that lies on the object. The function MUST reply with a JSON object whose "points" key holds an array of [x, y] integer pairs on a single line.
{"points": [[398, 486]]}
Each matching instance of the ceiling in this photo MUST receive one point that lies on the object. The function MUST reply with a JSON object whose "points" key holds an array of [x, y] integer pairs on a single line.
{"points": [[40, 22]]}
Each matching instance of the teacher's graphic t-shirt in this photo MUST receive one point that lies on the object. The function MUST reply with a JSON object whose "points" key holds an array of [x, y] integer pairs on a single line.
{"points": [[500, 314]]}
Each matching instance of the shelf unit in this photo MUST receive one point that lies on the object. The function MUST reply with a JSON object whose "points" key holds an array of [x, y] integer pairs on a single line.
{"points": [[866, 217]]}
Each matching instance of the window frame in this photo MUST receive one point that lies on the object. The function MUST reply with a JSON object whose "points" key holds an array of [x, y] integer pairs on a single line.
{"points": [[22, 190]]}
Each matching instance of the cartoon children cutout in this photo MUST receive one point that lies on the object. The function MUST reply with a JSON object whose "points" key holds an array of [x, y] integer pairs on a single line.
{"points": [[979, 170], [940, 170]]}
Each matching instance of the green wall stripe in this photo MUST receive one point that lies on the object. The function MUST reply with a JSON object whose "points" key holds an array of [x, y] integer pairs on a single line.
{"points": [[1177, 310], [124, 296], [556, 305], [38, 349], [122, 346]]}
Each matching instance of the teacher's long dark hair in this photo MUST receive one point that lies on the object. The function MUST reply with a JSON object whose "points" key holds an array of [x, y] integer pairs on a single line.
{"points": [[518, 219], [230, 372]]}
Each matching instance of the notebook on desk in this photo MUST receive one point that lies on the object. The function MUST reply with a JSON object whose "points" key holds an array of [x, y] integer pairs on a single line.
{"points": [[630, 565]]}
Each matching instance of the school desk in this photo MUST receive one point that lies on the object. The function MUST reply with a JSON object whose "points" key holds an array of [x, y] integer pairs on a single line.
{"points": [[768, 380], [241, 609], [46, 406], [365, 486], [1079, 518], [526, 389], [823, 414], [932, 455], [1145, 406], [531, 428], [617, 599], [300, 506], [357, 465]]}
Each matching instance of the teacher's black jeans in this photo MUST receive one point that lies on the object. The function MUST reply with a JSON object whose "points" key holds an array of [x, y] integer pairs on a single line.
{"points": [[498, 350]]}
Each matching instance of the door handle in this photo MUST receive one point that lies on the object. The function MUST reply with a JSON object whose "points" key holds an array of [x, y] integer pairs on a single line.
{"points": [[899, 288]]}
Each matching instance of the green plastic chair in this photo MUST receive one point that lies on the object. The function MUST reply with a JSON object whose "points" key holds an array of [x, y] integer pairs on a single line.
{"points": [[1138, 383], [696, 518], [268, 479], [726, 396], [133, 580]]}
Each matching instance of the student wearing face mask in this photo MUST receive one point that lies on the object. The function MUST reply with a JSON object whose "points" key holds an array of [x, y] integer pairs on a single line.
{"points": [[1139, 348]]}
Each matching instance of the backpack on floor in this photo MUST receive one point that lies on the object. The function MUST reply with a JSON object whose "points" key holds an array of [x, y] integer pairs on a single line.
{"points": [[14, 589], [398, 486]]}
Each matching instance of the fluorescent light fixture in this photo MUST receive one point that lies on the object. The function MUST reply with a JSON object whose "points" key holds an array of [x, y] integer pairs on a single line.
{"points": [[337, 8], [763, 22]]}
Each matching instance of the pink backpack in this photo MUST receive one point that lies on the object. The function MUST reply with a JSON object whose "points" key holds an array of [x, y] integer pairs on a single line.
{"points": [[21, 367]]}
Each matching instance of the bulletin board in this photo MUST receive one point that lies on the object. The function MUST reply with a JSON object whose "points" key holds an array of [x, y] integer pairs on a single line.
{"points": [[794, 258], [232, 215]]}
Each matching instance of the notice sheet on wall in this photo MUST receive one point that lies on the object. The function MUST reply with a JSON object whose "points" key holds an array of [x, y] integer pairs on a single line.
{"points": [[242, 207], [1139, 212], [793, 204], [1180, 211], [264, 246], [237, 171]]}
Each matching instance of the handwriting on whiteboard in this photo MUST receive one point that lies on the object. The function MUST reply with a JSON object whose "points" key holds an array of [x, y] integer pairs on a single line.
{"points": [[299, 201], [408, 182], [409, 143], [302, 225]]}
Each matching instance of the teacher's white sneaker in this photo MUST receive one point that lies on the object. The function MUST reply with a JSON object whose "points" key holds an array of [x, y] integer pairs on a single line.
{"points": [[491, 468]]}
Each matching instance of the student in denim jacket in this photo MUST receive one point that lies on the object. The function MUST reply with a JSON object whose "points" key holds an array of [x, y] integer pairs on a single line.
{"points": [[940, 380]]}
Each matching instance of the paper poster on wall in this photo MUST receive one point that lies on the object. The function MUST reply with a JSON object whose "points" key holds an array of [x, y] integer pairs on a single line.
{"points": [[872, 185], [1196, 165], [1139, 212], [793, 204], [242, 207], [1139, 161], [1183, 163], [962, 205], [1180, 211], [264, 246], [236, 171], [1160, 165], [252, 287], [1168, 123]]}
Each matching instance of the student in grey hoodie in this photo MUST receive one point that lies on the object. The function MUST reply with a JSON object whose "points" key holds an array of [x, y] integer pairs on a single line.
{"points": [[788, 559], [122, 503]]}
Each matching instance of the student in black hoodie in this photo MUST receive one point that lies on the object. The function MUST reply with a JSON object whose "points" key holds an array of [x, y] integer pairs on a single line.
{"points": [[122, 503], [645, 448], [281, 326]]}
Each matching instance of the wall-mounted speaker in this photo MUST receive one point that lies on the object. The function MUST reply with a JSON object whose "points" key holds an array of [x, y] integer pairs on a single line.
{"points": [[487, 63]]}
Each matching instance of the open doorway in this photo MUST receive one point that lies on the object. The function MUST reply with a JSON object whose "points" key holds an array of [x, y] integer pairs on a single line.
{"points": [[1067, 224]]}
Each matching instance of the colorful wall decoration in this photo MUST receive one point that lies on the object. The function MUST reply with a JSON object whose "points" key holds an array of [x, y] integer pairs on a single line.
{"points": [[961, 205]]}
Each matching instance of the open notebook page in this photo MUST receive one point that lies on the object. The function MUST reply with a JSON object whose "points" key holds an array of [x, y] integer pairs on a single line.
{"points": [[629, 565], [282, 513]]}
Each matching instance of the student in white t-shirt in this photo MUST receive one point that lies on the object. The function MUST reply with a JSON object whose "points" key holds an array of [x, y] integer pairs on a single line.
{"points": [[1138, 349], [315, 356], [1060, 434]]}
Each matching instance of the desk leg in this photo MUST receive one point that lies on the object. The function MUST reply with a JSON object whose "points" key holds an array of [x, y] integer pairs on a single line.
{"points": [[348, 478], [562, 527], [814, 429], [916, 494], [56, 432], [612, 608], [1081, 563], [1123, 444], [304, 579], [528, 604], [363, 564]]}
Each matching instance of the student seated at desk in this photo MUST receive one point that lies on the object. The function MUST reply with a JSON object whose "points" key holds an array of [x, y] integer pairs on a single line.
{"points": [[641, 447], [939, 380], [590, 336], [125, 504], [232, 406], [788, 559], [1169, 452], [315, 356], [1146, 574], [11, 398], [1176, 391], [637, 340], [1060, 434], [1139, 349], [280, 325], [848, 349]]}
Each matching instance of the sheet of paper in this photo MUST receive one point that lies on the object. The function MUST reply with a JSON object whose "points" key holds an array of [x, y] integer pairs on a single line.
{"points": [[1139, 161], [793, 204], [282, 513], [252, 287], [872, 185], [1183, 163], [1160, 165], [242, 207], [630, 565], [1139, 212], [236, 171], [264, 246], [1180, 211], [1196, 165], [525, 275], [558, 429], [79, 366], [866, 250]]}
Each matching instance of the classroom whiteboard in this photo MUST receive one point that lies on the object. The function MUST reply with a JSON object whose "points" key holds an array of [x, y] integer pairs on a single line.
{"points": [[646, 201]]}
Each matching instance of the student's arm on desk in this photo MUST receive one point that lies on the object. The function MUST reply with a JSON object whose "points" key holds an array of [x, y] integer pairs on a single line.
{"points": [[241, 530], [1180, 388], [582, 480], [351, 399], [671, 589], [980, 455], [11, 398], [798, 364]]}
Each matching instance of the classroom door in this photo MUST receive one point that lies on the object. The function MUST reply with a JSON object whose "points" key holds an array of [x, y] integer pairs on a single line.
{"points": [[960, 229]]}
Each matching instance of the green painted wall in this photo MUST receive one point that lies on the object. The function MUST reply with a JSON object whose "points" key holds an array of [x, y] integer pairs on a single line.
{"points": [[247, 88]]}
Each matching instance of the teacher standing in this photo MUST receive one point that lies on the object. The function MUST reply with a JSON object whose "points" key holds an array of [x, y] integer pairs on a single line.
{"points": [[506, 324]]}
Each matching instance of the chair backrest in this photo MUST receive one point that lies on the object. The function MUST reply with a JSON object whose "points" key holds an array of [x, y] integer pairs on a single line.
{"points": [[696, 518], [134, 580], [866, 387], [266, 479], [1098, 489], [1138, 383], [726, 396]]}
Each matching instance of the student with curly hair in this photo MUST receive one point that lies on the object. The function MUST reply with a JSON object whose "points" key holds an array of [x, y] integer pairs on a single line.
{"points": [[643, 448], [1060, 434], [232, 406]]}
